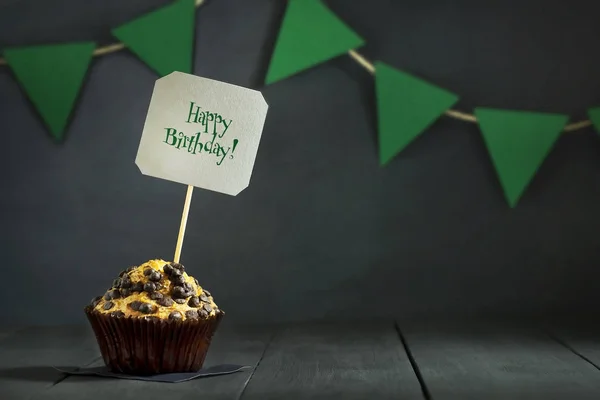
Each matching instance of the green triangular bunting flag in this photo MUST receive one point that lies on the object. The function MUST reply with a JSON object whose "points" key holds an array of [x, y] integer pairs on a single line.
{"points": [[52, 77], [594, 114], [163, 39], [518, 143], [310, 34], [406, 106]]}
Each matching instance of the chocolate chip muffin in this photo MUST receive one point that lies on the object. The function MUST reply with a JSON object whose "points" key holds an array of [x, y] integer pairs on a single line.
{"points": [[154, 319]]}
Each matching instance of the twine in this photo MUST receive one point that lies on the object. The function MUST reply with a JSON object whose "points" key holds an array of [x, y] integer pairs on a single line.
{"points": [[363, 62], [460, 115], [110, 48]]}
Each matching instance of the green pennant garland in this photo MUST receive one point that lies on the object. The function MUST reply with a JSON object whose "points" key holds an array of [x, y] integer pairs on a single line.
{"points": [[406, 106], [518, 143], [594, 114], [52, 77], [310, 34], [164, 38]]}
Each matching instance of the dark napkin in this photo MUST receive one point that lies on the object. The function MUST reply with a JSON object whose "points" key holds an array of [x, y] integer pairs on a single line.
{"points": [[103, 371]]}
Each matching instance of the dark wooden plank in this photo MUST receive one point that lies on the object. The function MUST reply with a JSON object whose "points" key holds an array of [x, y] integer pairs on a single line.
{"points": [[581, 337], [484, 361], [346, 362], [27, 357], [244, 346]]}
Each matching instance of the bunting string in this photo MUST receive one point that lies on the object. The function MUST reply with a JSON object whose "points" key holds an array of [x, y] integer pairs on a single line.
{"points": [[362, 61], [460, 115], [114, 47], [518, 141], [52, 74]]}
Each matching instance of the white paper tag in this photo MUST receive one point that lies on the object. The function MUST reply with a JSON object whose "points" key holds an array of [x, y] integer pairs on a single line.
{"points": [[202, 132]]}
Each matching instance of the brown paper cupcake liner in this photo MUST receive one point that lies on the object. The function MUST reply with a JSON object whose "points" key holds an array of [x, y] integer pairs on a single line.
{"points": [[137, 346]]}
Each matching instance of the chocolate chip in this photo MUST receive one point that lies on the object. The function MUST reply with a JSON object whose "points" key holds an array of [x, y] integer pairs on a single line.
{"points": [[130, 269], [165, 302], [167, 269], [112, 294], [151, 318], [175, 316], [179, 292], [207, 307], [137, 287], [117, 314], [117, 283], [196, 281], [125, 292], [206, 292], [179, 301], [191, 314], [148, 271], [125, 282], [155, 276], [203, 313], [156, 295], [122, 273], [147, 308], [174, 272], [135, 305], [108, 305], [178, 279], [149, 287], [203, 297], [188, 287], [178, 267], [96, 300], [194, 302], [158, 285]]}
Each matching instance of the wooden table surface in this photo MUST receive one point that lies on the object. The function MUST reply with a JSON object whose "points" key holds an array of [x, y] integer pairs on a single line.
{"points": [[386, 360]]}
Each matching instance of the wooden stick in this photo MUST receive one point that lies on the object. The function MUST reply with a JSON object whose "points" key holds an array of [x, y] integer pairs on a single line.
{"points": [[184, 217]]}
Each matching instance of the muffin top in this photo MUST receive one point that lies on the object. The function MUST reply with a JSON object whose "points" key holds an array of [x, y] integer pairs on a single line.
{"points": [[157, 290]]}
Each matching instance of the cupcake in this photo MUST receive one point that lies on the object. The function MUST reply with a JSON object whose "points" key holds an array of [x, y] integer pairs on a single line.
{"points": [[155, 319]]}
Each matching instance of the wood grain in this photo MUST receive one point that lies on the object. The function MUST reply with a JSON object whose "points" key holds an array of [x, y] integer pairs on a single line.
{"points": [[583, 338], [27, 358], [498, 362], [346, 362]]}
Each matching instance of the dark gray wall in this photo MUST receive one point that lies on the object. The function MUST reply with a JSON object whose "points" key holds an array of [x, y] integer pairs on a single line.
{"points": [[322, 231]]}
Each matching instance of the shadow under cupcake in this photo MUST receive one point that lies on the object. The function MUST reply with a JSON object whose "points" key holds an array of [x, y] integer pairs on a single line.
{"points": [[155, 319]]}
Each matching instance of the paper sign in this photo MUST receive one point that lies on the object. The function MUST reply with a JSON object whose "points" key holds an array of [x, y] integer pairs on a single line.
{"points": [[202, 132]]}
